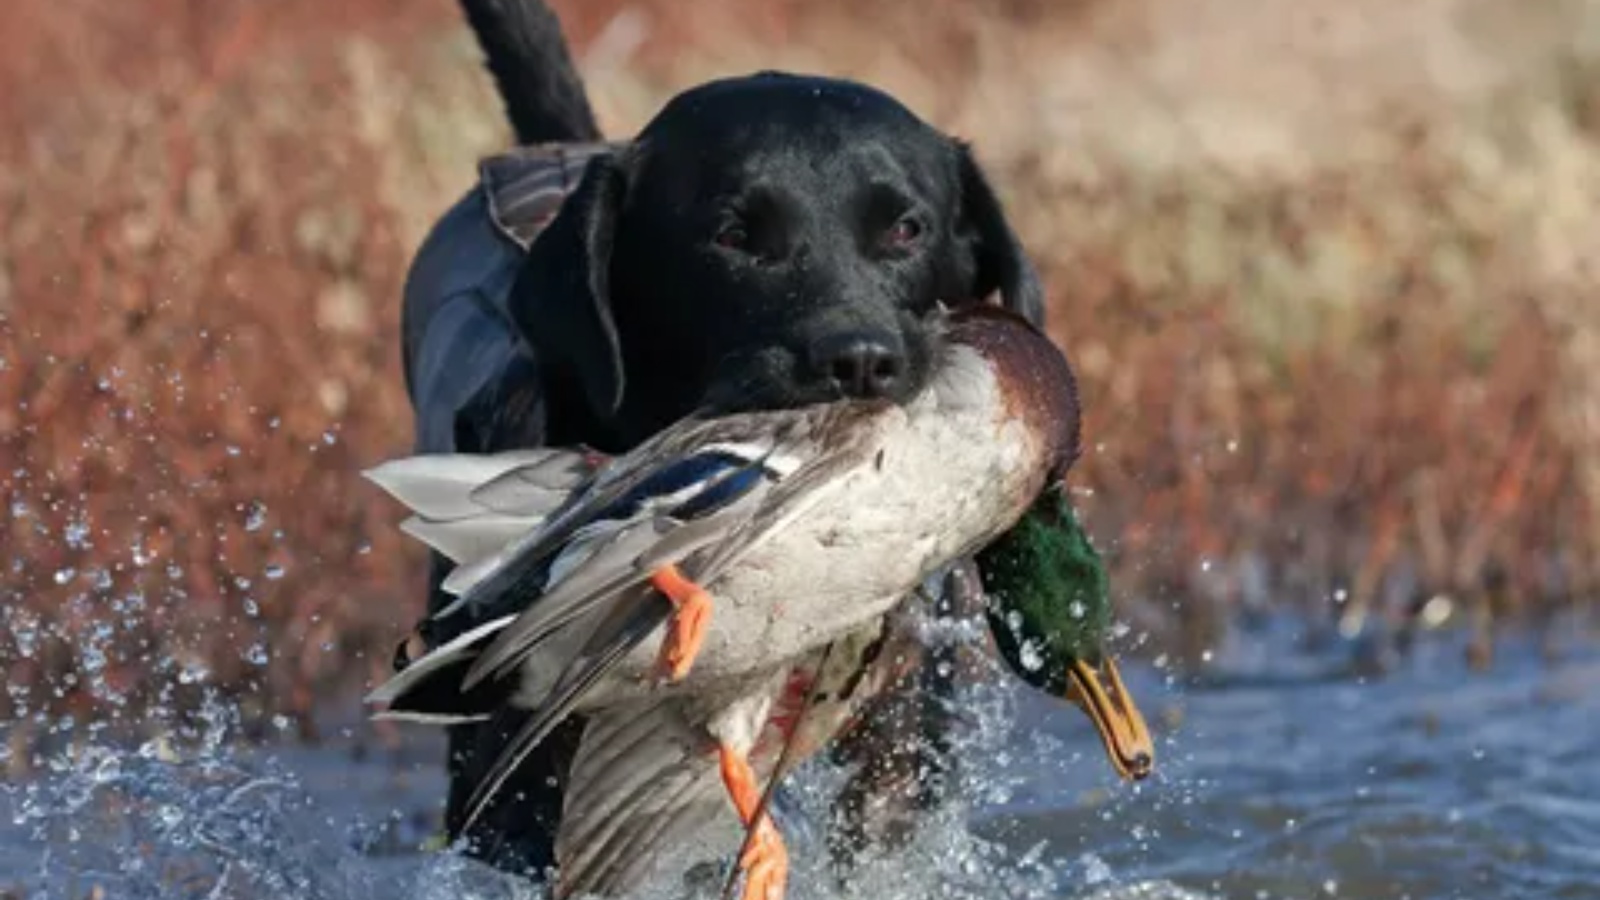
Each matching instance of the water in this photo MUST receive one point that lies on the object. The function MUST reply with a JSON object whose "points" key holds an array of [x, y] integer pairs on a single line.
{"points": [[1272, 782]]}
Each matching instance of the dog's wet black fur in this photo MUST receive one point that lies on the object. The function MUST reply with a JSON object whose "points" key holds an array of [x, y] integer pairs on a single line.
{"points": [[764, 242]]}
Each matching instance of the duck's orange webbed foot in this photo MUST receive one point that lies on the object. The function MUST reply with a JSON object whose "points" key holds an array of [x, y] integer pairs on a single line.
{"points": [[765, 862], [686, 630]]}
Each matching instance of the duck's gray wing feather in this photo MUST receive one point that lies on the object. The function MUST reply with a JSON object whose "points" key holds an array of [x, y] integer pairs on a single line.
{"points": [[645, 780], [612, 639], [541, 485], [463, 647]]}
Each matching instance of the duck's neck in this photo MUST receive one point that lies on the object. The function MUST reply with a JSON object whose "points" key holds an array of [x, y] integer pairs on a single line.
{"points": [[1048, 591]]}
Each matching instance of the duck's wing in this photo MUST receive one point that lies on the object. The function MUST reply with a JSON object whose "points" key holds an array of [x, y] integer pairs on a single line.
{"points": [[598, 561], [677, 463], [643, 780], [429, 689], [623, 555], [611, 640]]}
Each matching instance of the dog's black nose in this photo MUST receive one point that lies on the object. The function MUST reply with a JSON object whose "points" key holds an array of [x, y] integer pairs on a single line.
{"points": [[863, 367]]}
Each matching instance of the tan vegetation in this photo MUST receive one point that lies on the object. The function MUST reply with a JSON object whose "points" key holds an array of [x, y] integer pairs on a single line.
{"points": [[1325, 270]]}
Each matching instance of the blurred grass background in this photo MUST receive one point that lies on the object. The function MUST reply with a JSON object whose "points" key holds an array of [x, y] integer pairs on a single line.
{"points": [[1326, 270]]}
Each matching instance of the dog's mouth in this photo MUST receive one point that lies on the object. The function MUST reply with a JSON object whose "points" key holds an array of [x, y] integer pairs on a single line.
{"points": [[764, 380]]}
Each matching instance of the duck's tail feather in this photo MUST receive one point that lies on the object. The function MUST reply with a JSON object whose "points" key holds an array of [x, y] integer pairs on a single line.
{"points": [[608, 644], [467, 541], [443, 487]]}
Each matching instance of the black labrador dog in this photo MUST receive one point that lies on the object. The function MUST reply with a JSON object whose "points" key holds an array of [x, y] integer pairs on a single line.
{"points": [[764, 242]]}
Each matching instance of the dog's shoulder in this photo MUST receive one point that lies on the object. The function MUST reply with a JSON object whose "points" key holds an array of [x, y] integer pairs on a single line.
{"points": [[526, 186]]}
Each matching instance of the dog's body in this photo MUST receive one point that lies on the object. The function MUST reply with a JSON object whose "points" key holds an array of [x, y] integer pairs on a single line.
{"points": [[765, 242]]}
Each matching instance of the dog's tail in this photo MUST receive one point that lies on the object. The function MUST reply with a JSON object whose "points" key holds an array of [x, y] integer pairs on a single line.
{"points": [[528, 57]]}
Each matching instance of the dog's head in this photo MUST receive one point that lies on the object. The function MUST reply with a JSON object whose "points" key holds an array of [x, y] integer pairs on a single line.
{"points": [[765, 242]]}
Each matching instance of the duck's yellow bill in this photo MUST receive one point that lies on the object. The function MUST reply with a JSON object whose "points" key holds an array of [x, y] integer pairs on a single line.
{"points": [[1111, 709]]}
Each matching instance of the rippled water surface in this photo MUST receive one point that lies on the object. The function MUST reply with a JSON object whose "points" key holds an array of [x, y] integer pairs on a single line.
{"points": [[1274, 781]]}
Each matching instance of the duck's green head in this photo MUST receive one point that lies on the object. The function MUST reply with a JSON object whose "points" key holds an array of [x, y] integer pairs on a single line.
{"points": [[1049, 607]]}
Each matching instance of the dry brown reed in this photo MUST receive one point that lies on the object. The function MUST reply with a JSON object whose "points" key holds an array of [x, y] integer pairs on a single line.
{"points": [[1326, 274]]}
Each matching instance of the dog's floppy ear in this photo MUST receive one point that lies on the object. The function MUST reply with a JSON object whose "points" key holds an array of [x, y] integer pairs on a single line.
{"points": [[999, 260], [561, 302]]}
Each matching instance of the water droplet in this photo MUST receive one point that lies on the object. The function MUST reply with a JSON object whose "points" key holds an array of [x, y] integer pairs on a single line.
{"points": [[329, 438], [257, 655], [63, 576], [76, 534], [1076, 609], [19, 509], [273, 572], [232, 450], [1028, 655], [1095, 870], [255, 516]]}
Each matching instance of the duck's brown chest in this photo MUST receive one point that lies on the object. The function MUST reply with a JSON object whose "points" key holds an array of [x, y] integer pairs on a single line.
{"points": [[826, 691]]}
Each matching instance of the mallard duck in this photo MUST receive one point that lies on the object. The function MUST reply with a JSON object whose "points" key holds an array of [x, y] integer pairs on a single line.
{"points": [[766, 548]]}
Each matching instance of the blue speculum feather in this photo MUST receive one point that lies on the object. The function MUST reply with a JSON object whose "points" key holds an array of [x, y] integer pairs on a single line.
{"points": [[727, 477]]}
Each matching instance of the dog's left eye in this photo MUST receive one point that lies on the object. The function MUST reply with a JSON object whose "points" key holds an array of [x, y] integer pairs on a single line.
{"points": [[732, 237], [903, 233]]}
